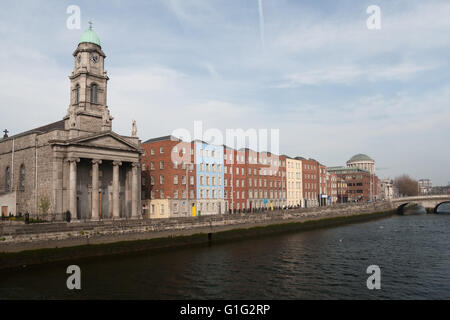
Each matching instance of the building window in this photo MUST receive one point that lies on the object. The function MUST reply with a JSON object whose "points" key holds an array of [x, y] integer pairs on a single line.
{"points": [[77, 94], [161, 179], [175, 179], [192, 180], [94, 90], [152, 151], [161, 164], [161, 150], [7, 179], [152, 180], [175, 194], [175, 208]]}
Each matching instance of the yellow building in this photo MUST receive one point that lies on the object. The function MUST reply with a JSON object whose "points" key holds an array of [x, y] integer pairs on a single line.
{"points": [[156, 208], [294, 182]]}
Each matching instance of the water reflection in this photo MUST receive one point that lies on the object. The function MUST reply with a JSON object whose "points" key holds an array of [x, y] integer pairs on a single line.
{"points": [[412, 252], [413, 209]]}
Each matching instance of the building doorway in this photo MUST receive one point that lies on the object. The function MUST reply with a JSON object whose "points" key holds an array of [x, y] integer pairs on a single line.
{"points": [[4, 211]]}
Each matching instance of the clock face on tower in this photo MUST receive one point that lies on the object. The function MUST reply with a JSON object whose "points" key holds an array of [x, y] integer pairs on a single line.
{"points": [[94, 58]]}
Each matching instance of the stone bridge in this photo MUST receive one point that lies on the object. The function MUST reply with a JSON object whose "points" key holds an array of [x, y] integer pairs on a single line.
{"points": [[428, 202]]}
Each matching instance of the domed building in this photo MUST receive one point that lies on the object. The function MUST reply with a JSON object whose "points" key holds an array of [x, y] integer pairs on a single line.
{"points": [[360, 181], [362, 161], [77, 164]]}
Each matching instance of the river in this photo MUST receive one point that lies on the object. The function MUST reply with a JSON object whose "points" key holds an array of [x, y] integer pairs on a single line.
{"points": [[413, 253]]}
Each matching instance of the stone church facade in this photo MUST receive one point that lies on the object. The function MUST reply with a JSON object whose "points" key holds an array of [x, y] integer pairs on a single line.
{"points": [[77, 164]]}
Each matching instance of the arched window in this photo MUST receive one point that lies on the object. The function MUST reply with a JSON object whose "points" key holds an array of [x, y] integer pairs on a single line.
{"points": [[22, 177], [94, 90], [7, 179], [77, 94]]}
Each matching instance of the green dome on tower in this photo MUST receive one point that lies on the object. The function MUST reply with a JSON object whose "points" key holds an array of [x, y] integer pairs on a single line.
{"points": [[90, 36]]}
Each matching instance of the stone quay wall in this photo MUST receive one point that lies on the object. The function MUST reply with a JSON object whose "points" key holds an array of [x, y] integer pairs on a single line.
{"points": [[21, 244]]}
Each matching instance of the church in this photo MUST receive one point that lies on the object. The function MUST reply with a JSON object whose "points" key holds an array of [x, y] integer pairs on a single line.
{"points": [[77, 164]]}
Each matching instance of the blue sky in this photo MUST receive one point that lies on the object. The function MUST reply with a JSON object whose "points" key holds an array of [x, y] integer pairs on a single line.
{"points": [[332, 87]]}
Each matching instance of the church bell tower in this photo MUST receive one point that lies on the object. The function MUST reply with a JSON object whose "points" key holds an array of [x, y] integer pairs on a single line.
{"points": [[88, 111]]}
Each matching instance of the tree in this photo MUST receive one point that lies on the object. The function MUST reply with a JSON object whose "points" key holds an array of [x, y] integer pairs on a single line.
{"points": [[44, 205], [406, 185]]}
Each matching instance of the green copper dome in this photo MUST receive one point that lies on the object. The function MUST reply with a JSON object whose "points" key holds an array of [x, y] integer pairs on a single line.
{"points": [[90, 36], [360, 157]]}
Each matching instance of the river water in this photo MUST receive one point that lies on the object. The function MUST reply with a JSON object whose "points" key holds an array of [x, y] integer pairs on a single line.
{"points": [[413, 253]]}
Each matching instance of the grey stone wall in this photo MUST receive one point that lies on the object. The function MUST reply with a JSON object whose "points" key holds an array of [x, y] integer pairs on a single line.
{"points": [[18, 237], [26, 148]]}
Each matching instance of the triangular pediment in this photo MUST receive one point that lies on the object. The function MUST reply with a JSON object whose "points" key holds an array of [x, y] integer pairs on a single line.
{"points": [[109, 140]]}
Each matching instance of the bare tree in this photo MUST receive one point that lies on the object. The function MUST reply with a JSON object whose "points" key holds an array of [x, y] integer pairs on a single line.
{"points": [[406, 185]]}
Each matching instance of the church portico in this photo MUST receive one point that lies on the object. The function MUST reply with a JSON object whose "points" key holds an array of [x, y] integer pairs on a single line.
{"points": [[102, 189]]}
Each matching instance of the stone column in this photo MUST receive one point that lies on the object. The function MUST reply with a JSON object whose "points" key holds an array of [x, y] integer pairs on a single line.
{"points": [[94, 195], [73, 187], [57, 176], [134, 190], [116, 189]]}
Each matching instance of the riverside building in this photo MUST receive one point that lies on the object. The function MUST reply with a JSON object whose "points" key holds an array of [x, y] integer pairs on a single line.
{"points": [[169, 177], [77, 164], [294, 190]]}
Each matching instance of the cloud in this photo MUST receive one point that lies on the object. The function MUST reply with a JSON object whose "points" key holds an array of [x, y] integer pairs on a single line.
{"points": [[351, 74], [332, 87]]}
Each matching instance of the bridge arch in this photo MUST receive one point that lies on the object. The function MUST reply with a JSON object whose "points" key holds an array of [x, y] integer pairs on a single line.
{"points": [[438, 205], [401, 207]]}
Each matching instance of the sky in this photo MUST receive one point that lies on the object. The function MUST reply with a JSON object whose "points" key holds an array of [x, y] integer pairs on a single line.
{"points": [[312, 69]]}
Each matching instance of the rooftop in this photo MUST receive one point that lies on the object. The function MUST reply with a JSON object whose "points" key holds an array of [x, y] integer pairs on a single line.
{"points": [[360, 157], [90, 36]]}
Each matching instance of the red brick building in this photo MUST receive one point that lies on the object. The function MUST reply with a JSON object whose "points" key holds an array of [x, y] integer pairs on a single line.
{"points": [[235, 178], [311, 181], [361, 185], [254, 181], [168, 173]]}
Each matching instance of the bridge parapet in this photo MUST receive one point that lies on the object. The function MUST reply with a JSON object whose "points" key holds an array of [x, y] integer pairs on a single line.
{"points": [[428, 202]]}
